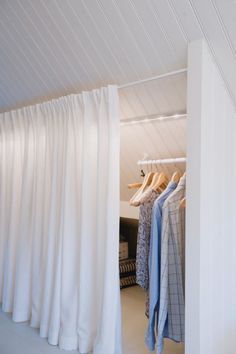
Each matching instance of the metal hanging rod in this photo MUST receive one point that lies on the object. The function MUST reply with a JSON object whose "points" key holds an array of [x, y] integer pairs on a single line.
{"points": [[162, 161], [152, 118], [158, 77]]}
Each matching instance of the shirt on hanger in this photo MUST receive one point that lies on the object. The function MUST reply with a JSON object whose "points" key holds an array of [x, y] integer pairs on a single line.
{"points": [[172, 272], [145, 196], [154, 264], [143, 241]]}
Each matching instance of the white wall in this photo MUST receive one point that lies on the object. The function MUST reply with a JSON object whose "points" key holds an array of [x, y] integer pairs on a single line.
{"points": [[128, 211], [211, 209]]}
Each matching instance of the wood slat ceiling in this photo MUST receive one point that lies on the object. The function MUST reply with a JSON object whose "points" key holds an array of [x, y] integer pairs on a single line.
{"points": [[56, 47]]}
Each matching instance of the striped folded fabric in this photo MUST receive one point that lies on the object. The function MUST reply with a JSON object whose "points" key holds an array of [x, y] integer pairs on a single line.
{"points": [[127, 266], [128, 281], [127, 273]]}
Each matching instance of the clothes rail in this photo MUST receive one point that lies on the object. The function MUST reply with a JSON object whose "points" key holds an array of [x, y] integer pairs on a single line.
{"points": [[162, 161], [152, 118], [152, 78]]}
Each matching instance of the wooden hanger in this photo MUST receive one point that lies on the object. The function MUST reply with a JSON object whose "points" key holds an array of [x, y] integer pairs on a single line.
{"points": [[154, 179], [176, 177], [162, 180], [182, 203], [147, 181], [134, 185]]}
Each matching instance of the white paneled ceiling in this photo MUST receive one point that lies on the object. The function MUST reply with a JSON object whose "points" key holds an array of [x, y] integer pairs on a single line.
{"points": [[165, 96], [56, 47]]}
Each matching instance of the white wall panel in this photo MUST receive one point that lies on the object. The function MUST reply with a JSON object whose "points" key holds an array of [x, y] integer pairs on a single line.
{"points": [[211, 209]]}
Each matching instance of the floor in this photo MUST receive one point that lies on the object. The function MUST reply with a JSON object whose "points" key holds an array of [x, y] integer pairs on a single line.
{"points": [[22, 339], [135, 324]]}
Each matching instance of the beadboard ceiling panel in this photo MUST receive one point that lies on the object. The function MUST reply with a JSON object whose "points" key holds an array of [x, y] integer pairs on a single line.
{"points": [[159, 97], [221, 38], [227, 16], [57, 47]]}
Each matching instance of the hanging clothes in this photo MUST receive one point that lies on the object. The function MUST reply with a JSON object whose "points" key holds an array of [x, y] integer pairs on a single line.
{"points": [[172, 307], [144, 197], [143, 241], [154, 264]]}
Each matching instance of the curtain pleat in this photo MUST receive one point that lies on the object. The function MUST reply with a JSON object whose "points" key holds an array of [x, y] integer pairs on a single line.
{"points": [[59, 219]]}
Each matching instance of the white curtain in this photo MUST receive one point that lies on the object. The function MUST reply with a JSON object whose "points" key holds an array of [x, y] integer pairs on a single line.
{"points": [[59, 219]]}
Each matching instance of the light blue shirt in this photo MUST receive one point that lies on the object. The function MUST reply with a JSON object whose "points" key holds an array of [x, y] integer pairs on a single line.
{"points": [[171, 311], [154, 265]]}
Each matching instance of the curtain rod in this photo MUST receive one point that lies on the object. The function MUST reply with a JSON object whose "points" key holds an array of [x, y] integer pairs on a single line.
{"points": [[152, 78], [162, 161], [129, 84]]}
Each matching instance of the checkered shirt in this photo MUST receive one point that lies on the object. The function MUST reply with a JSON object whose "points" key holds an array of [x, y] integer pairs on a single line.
{"points": [[172, 307]]}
